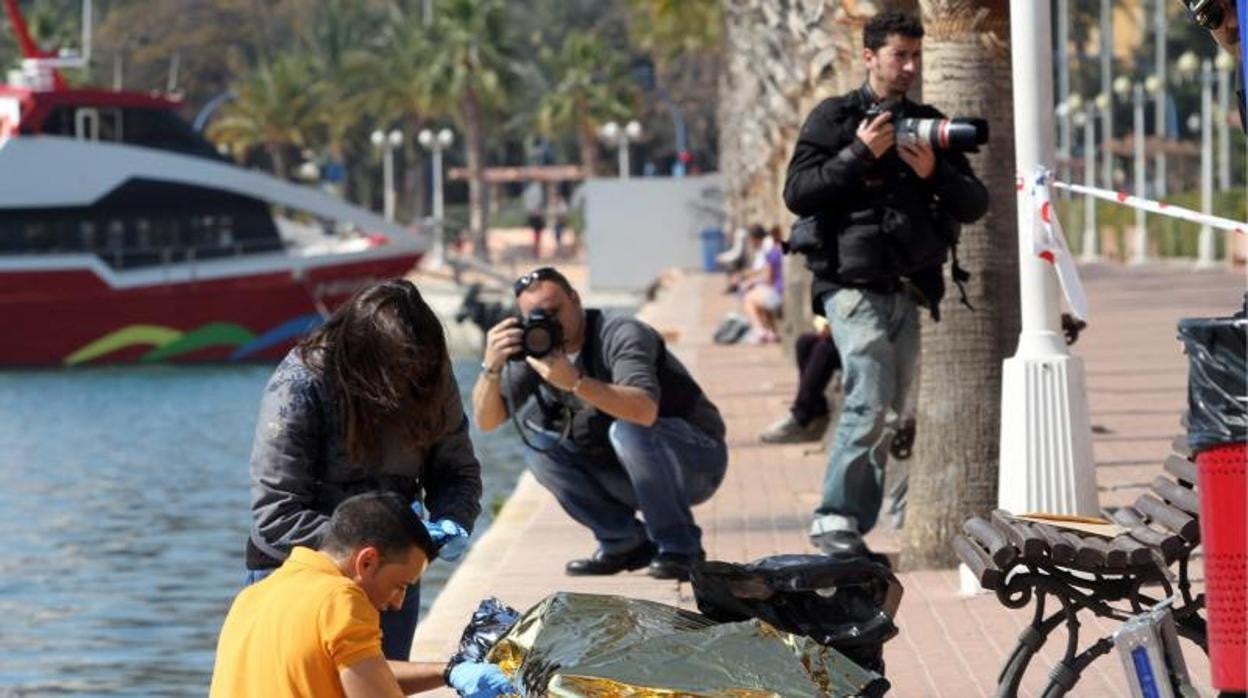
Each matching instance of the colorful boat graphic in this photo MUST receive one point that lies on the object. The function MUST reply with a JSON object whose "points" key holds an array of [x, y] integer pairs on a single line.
{"points": [[168, 343]]}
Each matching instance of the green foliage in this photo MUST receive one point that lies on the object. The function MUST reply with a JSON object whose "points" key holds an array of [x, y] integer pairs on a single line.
{"points": [[275, 106], [469, 64], [589, 85], [674, 28]]}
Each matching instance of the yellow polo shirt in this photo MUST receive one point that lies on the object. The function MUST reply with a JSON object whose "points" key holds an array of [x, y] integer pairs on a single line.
{"points": [[290, 634]]}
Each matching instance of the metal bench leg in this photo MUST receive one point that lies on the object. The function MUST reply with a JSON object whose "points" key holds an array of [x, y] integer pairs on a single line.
{"points": [[1068, 671], [1029, 643]]}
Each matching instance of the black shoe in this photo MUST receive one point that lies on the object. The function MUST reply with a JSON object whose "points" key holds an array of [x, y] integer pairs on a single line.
{"points": [[839, 543], [603, 563], [674, 565]]}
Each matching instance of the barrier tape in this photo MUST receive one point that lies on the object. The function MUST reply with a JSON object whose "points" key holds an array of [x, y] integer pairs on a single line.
{"points": [[1159, 207], [1049, 242]]}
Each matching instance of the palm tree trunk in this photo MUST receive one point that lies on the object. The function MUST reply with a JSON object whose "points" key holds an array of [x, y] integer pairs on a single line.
{"points": [[475, 157], [954, 473], [588, 142], [277, 160]]}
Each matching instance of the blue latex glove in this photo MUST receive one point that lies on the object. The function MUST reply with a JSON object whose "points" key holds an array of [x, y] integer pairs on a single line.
{"points": [[450, 537], [480, 680]]}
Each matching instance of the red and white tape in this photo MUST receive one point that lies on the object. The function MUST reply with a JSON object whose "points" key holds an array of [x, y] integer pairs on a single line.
{"points": [[1159, 207]]}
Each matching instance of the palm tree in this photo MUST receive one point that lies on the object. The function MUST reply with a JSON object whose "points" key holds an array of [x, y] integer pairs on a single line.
{"points": [[336, 41], [396, 70], [589, 85], [954, 473], [466, 78], [275, 108], [672, 28]]}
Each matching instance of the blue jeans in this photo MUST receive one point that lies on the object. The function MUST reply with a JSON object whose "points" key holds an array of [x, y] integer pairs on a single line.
{"points": [[397, 627], [663, 470], [877, 336]]}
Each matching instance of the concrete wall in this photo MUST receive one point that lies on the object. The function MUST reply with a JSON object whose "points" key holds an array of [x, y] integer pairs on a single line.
{"points": [[636, 228]]}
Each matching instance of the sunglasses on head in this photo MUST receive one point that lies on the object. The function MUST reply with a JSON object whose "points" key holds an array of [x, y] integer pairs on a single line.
{"points": [[541, 274]]}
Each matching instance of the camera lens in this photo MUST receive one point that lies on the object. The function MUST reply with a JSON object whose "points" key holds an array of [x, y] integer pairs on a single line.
{"points": [[538, 341]]}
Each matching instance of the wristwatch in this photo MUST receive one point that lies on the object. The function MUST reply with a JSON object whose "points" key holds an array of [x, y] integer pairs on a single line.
{"points": [[490, 373]]}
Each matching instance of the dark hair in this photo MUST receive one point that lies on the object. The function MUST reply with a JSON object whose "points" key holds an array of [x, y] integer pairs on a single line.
{"points": [[384, 355], [877, 29], [381, 520], [757, 232], [526, 282]]}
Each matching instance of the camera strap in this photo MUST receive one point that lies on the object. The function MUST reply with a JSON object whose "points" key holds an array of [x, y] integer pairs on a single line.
{"points": [[545, 408]]}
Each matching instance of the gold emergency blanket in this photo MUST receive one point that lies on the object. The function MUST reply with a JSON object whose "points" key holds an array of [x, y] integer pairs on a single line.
{"points": [[606, 646]]}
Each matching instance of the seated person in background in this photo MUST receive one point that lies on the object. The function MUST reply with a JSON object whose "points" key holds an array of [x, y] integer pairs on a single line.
{"points": [[807, 418], [762, 287], [311, 628], [616, 426]]}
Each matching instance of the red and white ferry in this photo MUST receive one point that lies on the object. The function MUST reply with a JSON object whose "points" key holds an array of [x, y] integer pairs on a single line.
{"points": [[125, 237]]}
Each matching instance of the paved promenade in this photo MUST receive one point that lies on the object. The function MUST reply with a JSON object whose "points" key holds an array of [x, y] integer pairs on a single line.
{"points": [[949, 645]]}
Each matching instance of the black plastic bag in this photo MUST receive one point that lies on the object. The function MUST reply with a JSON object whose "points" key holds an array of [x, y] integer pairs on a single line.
{"points": [[490, 621], [1217, 381], [845, 602]]}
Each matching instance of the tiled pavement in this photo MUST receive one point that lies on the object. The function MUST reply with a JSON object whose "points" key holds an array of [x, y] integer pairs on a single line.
{"points": [[950, 645]]}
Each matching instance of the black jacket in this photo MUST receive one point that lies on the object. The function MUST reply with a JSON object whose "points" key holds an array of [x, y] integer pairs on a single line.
{"points": [[834, 176], [300, 469]]}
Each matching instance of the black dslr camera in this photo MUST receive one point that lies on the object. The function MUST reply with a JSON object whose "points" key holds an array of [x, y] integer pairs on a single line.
{"points": [[540, 334], [965, 135]]}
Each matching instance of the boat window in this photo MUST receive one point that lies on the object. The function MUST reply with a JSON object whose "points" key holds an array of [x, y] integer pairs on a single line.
{"points": [[39, 236], [116, 235], [143, 234], [110, 125], [87, 125], [86, 234]]}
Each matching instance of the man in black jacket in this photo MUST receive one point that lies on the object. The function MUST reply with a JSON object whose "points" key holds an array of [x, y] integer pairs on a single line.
{"points": [[887, 212]]}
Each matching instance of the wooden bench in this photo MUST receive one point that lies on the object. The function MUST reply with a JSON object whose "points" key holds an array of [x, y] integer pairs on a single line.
{"points": [[1023, 561]]}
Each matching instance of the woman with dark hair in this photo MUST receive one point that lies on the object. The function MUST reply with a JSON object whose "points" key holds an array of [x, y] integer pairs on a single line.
{"points": [[367, 402]]}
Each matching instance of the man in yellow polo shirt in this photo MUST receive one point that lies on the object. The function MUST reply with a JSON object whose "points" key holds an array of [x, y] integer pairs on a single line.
{"points": [[312, 627]]}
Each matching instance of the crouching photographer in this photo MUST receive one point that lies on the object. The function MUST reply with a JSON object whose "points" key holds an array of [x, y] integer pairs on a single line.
{"points": [[882, 187], [1221, 19], [613, 422]]}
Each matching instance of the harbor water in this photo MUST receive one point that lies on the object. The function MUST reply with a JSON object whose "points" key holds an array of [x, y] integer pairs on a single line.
{"points": [[123, 513]]}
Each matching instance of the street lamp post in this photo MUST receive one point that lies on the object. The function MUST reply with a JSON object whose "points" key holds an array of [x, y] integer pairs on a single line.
{"points": [[613, 135], [435, 143], [1122, 87], [1205, 248], [1107, 72], [1158, 90], [1087, 119], [386, 143], [1225, 65]]}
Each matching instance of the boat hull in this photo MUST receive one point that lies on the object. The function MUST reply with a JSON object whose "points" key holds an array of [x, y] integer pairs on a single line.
{"points": [[75, 317]]}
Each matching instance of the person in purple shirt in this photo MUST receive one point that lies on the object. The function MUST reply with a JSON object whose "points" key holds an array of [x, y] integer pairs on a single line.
{"points": [[763, 285]]}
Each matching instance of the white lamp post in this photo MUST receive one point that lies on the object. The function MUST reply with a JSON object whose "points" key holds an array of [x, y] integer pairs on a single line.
{"points": [[386, 143], [1124, 87], [1205, 246], [435, 143], [1107, 76], [1225, 65], [1046, 446], [1086, 118], [613, 135], [1158, 91]]}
